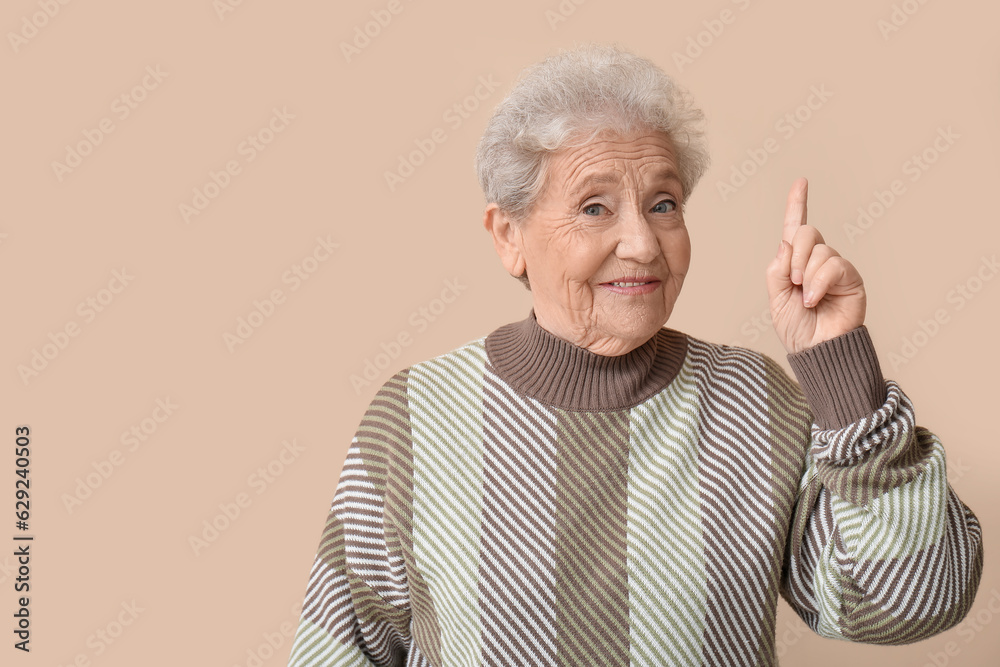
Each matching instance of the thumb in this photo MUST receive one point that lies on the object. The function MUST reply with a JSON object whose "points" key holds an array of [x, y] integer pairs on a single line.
{"points": [[778, 275]]}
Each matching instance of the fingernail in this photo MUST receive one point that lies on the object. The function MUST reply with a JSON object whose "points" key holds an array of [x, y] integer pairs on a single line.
{"points": [[808, 300], [781, 247], [797, 277]]}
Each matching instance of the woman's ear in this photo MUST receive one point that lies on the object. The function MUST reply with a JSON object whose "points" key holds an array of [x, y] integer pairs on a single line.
{"points": [[507, 240]]}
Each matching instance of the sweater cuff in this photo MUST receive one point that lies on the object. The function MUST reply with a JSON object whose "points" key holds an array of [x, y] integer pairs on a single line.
{"points": [[841, 378]]}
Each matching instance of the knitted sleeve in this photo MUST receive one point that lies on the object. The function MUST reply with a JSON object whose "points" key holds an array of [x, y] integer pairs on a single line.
{"points": [[881, 549], [357, 606]]}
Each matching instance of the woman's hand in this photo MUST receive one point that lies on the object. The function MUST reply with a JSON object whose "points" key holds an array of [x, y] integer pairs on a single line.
{"points": [[815, 294]]}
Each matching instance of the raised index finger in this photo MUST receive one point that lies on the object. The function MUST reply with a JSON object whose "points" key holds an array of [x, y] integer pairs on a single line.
{"points": [[795, 210]]}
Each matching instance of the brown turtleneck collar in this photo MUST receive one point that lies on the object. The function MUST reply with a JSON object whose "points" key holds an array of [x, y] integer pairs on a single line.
{"points": [[538, 363]]}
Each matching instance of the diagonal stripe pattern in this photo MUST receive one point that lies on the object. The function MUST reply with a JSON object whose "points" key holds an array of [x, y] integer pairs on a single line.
{"points": [[591, 539], [666, 547], [478, 523], [739, 504], [446, 421], [517, 570]]}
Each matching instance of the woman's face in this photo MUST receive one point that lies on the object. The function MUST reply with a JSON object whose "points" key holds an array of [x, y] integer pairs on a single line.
{"points": [[605, 247]]}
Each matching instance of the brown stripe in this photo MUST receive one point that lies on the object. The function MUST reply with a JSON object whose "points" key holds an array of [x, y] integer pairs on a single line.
{"points": [[515, 582], [330, 617], [742, 509], [351, 530], [788, 436], [399, 511]]}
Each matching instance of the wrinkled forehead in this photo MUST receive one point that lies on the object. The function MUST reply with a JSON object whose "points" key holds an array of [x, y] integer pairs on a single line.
{"points": [[648, 159]]}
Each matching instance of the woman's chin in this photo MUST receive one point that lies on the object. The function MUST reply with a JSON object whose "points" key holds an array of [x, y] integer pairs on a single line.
{"points": [[634, 320], [623, 336]]}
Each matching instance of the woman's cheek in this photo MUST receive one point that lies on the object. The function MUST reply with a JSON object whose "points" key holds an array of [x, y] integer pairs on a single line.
{"points": [[676, 248], [584, 257]]}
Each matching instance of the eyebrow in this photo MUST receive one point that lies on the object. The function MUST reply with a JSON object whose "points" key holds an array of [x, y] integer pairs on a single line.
{"points": [[667, 174]]}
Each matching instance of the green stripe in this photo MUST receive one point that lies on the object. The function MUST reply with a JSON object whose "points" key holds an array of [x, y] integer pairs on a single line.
{"points": [[447, 431], [314, 646], [666, 551]]}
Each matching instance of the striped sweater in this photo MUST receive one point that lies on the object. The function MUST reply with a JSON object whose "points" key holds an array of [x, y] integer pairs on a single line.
{"points": [[524, 501]]}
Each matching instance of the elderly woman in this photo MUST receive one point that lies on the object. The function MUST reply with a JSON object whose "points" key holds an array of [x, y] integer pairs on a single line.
{"points": [[588, 487]]}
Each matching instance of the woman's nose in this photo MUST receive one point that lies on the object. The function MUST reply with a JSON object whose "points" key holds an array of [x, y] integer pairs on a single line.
{"points": [[636, 239]]}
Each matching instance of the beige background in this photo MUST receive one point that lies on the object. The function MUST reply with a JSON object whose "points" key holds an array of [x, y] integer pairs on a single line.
{"points": [[162, 336]]}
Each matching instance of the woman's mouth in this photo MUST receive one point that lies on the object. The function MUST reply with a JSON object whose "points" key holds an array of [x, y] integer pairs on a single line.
{"points": [[630, 285]]}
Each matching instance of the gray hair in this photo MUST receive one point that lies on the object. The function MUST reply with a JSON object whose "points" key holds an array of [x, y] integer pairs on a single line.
{"points": [[569, 99]]}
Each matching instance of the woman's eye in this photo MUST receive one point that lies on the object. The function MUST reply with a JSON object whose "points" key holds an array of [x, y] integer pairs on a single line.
{"points": [[593, 209], [666, 202]]}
